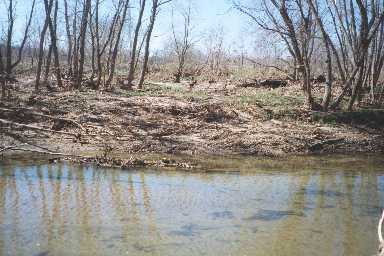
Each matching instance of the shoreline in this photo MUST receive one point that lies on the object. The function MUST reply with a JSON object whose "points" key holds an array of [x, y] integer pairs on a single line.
{"points": [[203, 164], [170, 120]]}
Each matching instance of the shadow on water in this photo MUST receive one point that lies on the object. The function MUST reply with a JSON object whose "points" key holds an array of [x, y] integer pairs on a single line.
{"points": [[271, 215], [45, 253], [189, 230], [326, 193], [223, 215], [141, 248]]}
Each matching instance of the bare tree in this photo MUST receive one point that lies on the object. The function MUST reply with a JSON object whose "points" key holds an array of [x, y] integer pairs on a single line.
{"points": [[101, 39], [75, 40], [69, 36], [155, 10], [184, 43], [2, 69], [347, 29], [114, 47], [354, 27], [376, 64], [328, 44], [52, 25], [293, 22], [215, 52], [131, 71], [10, 63], [80, 57], [41, 47]]}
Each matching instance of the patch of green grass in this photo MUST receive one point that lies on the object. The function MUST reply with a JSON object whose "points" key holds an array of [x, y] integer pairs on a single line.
{"points": [[175, 90], [271, 98], [132, 93]]}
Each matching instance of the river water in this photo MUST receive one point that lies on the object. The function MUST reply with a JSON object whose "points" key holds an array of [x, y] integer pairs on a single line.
{"points": [[302, 206]]}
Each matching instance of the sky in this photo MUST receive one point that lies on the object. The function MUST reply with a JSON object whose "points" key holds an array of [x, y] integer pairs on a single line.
{"points": [[207, 14]]}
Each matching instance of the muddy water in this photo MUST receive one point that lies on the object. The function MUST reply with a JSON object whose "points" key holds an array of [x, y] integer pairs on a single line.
{"points": [[324, 206]]}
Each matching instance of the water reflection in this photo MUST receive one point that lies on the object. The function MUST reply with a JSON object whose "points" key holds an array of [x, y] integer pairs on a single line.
{"points": [[71, 210]]}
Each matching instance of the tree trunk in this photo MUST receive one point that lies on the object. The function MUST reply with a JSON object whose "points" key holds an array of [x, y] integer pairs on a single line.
{"points": [[147, 42], [355, 89], [1, 61], [83, 30], [41, 50], [52, 29], [114, 52], [11, 21], [131, 72], [98, 50], [69, 37], [48, 64], [75, 57]]}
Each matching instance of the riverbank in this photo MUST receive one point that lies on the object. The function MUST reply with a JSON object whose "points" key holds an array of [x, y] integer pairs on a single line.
{"points": [[173, 119]]}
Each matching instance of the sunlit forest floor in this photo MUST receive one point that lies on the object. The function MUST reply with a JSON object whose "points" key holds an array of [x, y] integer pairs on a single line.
{"points": [[169, 118]]}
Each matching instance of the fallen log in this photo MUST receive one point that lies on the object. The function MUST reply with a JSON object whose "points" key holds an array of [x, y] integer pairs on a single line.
{"points": [[273, 83], [267, 83], [6, 148], [15, 148], [48, 116], [32, 127], [107, 162], [26, 143], [248, 83]]}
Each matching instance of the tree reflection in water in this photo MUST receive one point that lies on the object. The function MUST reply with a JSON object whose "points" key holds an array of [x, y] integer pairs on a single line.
{"points": [[67, 209]]}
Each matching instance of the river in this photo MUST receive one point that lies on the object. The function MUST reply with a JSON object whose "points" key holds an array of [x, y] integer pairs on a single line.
{"points": [[327, 205]]}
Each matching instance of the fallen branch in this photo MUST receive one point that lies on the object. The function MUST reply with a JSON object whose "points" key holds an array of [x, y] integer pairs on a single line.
{"points": [[6, 148], [48, 116], [267, 83], [108, 162], [3, 121], [24, 141], [15, 148], [320, 145]]}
